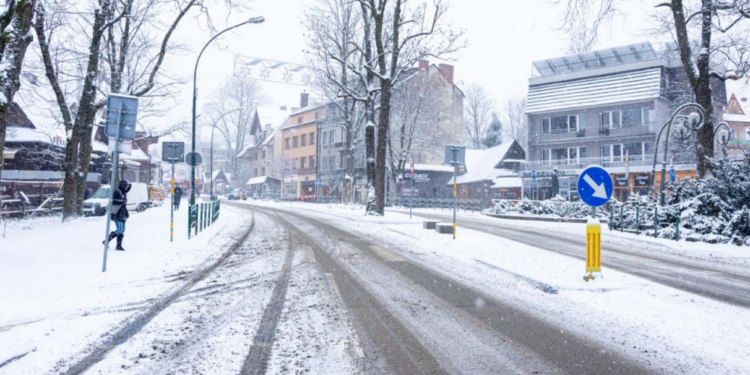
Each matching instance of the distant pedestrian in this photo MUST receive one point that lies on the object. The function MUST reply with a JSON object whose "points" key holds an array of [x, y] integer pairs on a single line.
{"points": [[176, 197], [120, 212]]}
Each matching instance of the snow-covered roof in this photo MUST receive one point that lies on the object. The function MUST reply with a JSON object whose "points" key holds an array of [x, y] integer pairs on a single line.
{"points": [[431, 168], [15, 134], [733, 117], [480, 164], [616, 88], [507, 182], [136, 154], [257, 180]]}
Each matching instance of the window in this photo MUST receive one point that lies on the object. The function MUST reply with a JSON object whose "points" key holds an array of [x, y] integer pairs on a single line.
{"points": [[632, 118], [342, 159], [636, 151], [312, 138], [295, 141], [304, 140], [343, 135], [559, 124], [332, 134], [312, 161], [255, 155], [264, 154], [317, 115], [332, 162], [610, 119], [295, 163], [325, 138], [570, 155], [303, 163], [286, 143], [545, 126], [299, 120], [263, 171]]}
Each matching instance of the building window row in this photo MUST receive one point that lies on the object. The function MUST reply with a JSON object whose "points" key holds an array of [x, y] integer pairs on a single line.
{"points": [[304, 162], [626, 118], [299, 141], [636, 151], [329, 138], [561, 124], [561, 156]]}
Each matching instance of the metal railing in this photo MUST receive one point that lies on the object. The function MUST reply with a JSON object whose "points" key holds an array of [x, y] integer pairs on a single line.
{"points": [[203, 215], [467, 205]]}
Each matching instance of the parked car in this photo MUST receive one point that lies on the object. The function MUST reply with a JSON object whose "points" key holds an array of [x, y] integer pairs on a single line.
{"points": [[137, 200], [237, 194]]}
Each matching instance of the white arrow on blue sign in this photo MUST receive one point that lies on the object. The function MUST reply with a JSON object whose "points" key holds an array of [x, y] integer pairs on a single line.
{"points": [[595, 186]]}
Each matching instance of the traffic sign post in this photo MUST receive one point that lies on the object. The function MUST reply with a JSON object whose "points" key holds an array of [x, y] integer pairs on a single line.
{"points": [[595, 187], [411, 188], [173, 152], [455, 156], [122, 113]]}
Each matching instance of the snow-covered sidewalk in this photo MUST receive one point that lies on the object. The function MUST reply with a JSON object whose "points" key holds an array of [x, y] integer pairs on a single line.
{"points": [[675, 331], [50, 275]]}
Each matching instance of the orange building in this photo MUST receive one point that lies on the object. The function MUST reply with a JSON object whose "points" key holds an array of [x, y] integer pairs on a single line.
{"points": [[299, 152]]}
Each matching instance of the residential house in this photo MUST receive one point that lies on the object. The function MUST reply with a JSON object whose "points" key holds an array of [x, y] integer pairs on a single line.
{"points": [[492, 173], [605, 108], [299, 152], [262, 157], [739, 125]]}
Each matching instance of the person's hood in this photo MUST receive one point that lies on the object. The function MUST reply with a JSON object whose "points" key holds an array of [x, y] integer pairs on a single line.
{"points": [[124, 186]]}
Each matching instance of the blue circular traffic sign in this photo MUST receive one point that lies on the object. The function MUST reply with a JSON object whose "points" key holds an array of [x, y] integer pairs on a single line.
{"points": [[595, 186]]}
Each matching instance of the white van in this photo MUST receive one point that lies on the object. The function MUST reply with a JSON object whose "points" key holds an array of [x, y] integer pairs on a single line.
{"points": [[97, 204]]}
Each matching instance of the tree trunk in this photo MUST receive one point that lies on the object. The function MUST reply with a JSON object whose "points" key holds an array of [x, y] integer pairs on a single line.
{"points": [[75, 176], [380, 174], [13, 50], [372, 207]]}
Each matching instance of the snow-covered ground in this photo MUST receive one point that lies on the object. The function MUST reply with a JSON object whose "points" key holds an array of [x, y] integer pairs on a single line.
{"points": [[51, 277], [675, 331]]}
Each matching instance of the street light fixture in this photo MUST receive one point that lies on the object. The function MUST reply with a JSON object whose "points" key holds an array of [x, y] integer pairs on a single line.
{"points": [[254, 20]]}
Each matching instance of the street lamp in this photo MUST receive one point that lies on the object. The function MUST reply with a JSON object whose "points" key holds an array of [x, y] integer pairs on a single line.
{"points": [[253, 20], [723, 140], [693, 122]]}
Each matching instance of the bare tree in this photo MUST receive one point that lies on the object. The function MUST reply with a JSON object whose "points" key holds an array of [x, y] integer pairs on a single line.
{"points": [[13, 44], [402, 35], [233, 110], [710, 38], [515, 125], [123, 46], [335, 29], [415, 111], [477, 114]]}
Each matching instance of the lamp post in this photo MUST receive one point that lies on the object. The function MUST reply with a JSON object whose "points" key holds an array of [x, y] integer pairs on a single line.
{"points": [[693, 122], [724, 140], [195, 95]]}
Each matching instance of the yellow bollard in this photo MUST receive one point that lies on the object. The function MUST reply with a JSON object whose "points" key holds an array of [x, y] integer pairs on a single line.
{"points": [[593, 250]]}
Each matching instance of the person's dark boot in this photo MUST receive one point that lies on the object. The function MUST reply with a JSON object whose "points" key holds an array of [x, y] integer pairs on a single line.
{"points": [[119, 243], [112, 235]]}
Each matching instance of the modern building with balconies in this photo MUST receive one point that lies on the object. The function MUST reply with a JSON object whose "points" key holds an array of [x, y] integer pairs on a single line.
{"points": [[605, 108]]}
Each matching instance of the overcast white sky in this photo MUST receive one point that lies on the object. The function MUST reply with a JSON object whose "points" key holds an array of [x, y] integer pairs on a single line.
{"points": [[504, 37]]}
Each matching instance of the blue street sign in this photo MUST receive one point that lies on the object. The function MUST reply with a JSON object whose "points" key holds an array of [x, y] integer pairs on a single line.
{"points": [[595, 186], [671, 175], [122, 108], [318, 182], [533, 174]]}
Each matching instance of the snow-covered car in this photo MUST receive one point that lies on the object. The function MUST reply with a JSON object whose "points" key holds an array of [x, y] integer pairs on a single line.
{"points": [[237, 194], [137, 200]]}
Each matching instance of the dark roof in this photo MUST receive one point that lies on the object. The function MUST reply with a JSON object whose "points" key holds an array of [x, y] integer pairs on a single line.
{"points": [[16, 117]]}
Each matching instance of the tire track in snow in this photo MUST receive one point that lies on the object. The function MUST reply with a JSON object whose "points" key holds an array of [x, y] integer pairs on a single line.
{"points": [[133, 326]]}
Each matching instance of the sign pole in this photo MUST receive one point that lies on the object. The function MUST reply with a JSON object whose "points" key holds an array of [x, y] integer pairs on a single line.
{"points": [[112, 182], [455, 190], [595, 188], [411, 187], [171, 213]]}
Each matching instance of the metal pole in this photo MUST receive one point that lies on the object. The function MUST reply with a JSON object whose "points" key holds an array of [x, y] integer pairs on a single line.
{"points": [[455, 190], [171, 210], [115, 160], [212, 162], [411, 191], [195, 97]]}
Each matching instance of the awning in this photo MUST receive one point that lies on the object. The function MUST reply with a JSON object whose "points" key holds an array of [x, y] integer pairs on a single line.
{"points": [[9, 154]]}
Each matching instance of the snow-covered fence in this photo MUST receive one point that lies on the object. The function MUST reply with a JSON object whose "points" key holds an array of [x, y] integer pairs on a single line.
{"points": [[25, 198], [202, 215], [467, 205]]}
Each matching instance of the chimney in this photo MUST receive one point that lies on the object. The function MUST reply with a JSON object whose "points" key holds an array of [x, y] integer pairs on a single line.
{"points": [[304, 99], [447, 71], [424, 65]]}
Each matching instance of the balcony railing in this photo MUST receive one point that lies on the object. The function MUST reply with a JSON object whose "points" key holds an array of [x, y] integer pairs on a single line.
{"points": [[581, 133]]}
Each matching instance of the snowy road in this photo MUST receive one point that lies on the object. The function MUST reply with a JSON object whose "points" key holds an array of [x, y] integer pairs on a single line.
{"points": [[311, 289], [691, 276]]}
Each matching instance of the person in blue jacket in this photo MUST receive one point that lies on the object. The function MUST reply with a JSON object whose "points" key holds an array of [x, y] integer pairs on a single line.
{"points": [[120, 212]]}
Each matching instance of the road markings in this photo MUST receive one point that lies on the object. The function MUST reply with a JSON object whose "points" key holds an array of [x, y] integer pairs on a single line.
{"points": [[339, 301], [386, 255]]}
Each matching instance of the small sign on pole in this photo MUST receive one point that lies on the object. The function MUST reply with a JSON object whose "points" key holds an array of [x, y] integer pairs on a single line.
{"points": [[455, 156], [122, 113], [172, 152], [595, 187]]}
